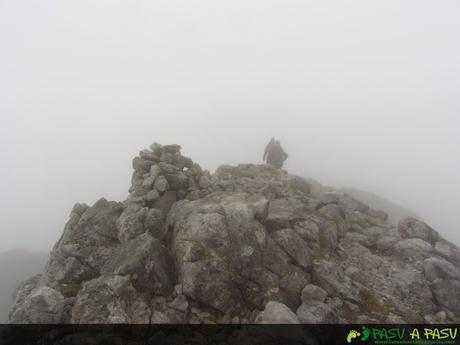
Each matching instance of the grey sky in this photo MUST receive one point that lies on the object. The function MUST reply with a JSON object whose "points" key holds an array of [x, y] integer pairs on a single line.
{"points": [[361, 93]]}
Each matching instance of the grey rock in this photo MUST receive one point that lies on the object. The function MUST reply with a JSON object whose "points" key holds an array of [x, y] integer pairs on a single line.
{"points": [[111, 299], [356, 237], [394, 319], [145, 258], [136, 180], [331, 197], [277, 313], [68, 305], [135, 200], [436, 268], [413, 228], [43, 305], [438, 318], [180, 303], [316, 313], [378, 214], [165, 203], [155, 170], [181, 194], [293, 245], [141, 165], [366, 319], [359, 250], [131, 222], [313, 293], [148, 182], [172, 148], [204, 182], [184, 162], [332, 279], [74, 271], [156, 148], [79, 209], [178, 180], [447, 294], [225, 257], [91, 236], [168, 158], [233, 241], [161, 184], [138, 191], [413, 249], [148, 155], [332, 212], [386, 243], [168, 168], [152, 196], [378, 231], [349, 204], [153, 223], [356, 274], [328, 237], [362, 219], [283, 211], [410, 288], [448, 250], [25, 288], [178, 289]]}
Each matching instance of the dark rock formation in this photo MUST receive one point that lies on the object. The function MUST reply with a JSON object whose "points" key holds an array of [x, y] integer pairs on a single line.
{"points": [[246, 244]]}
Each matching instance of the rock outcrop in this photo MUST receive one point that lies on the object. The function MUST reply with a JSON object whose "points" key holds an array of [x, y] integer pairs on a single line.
{"points": [[247, 244]]}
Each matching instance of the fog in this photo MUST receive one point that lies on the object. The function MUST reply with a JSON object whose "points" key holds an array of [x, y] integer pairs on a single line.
{"points": [[360, 93]]}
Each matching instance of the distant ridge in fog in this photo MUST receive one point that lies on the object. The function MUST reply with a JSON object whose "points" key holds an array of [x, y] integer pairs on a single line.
{"points": [[15, 266]]}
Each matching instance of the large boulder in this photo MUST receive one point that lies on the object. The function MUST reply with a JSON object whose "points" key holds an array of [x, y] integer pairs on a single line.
{"points": [[89, 237], [332, 279], [317, 312], [413, 249], [43, 305], [225, 257], [147, 261], [135, 220], [408, 287], [436, 268], [313, 293], [277, 313], [25, 288], [293, 245], [110, 299], [260, 179], [413, 228], [447, 294], [447, 250]]}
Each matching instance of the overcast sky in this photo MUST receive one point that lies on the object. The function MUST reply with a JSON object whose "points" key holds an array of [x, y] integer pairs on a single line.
{"points": [[361, 93]]}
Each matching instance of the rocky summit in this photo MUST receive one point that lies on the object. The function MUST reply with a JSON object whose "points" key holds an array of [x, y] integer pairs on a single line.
{"points": [[247, 244]]}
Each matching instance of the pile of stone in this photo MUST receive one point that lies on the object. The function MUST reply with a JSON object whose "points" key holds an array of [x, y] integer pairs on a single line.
{"points": [[162, 176]]}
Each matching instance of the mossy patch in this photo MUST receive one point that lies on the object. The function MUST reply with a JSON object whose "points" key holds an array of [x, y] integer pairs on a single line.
{"points": [[350, 315], [356, 228], [372, 241], [371, 303], [69, 290]]}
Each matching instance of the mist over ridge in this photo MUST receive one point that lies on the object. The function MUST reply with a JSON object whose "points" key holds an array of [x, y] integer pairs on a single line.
{"points": [[360, 94]]}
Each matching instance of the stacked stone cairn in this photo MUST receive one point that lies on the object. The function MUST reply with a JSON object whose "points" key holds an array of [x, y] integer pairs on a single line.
{"points": [[163, 176]]}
